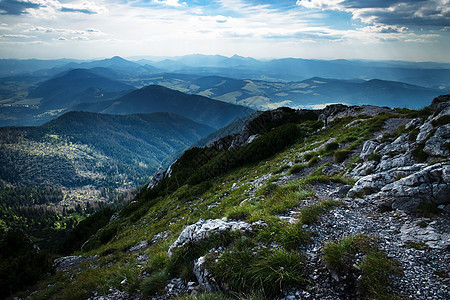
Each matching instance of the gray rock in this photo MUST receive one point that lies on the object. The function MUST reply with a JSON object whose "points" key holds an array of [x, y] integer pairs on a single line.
{"points": [[139, 246], [398, 161], [157, 177], [400, 145], [375, 182], [410, 232], [425, 130], [70, 262], [332, 170], [205, 279], [414, 123], [428, 185], [368, 148], [363, 169], [204, 228], [437, 145]]}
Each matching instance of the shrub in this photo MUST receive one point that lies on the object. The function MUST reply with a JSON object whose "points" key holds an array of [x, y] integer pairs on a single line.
{"points": [[374, 156], [20, 263], [443, 120], [418, 153], [340, 155], [331, 147], [428, 210]]}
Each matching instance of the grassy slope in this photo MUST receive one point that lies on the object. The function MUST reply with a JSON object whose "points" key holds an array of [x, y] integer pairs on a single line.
{"points": [[218, 197]]}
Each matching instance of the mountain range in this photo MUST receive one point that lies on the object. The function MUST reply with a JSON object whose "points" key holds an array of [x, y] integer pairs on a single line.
{"points": [[156, 98]]}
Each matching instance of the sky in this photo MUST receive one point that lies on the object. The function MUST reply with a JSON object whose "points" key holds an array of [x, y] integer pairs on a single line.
{"points": [[413, 30]]}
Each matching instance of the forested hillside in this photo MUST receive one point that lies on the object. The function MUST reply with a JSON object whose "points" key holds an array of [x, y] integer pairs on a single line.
{"points": [[52, 175]]}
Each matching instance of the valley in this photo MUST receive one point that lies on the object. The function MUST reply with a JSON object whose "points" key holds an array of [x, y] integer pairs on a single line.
{"points": [[118, 161]]}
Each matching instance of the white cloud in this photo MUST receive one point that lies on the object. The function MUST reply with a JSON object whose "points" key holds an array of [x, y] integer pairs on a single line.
{"points": [[174, 3], [394, 12]]}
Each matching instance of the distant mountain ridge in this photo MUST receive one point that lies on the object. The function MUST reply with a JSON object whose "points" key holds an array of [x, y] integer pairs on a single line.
{"points": [[138, 143], [156, 98], [56, 91]]}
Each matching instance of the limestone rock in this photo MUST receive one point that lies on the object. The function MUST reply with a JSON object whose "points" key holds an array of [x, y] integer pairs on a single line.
{"points": [[375, 182], [368, 148], [139, 246], [428, 185], [69, 262], [157, 177], [437, 145], [413, 123], [424, 131], [410, 232], [204, 228], [398, 161], [205, 279]]}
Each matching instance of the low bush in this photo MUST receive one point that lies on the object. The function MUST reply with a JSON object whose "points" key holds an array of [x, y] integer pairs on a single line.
{"points": [[340, 155]]}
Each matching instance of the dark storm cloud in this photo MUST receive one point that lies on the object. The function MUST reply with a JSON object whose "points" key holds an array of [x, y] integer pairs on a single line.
{"points": [[14, 7]]}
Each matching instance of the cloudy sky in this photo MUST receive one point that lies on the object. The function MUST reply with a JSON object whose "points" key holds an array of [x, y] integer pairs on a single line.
{"points": [[415, 30]]}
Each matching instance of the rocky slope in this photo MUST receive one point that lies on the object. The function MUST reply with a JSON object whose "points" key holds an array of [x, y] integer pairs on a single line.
{"points": [[354, 206]]}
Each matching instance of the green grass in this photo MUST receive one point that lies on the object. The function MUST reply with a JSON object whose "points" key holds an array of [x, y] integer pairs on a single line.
{"points": [[340, 155], [269, 272], [155, 284], [417, 246], [310, 214], [375, 268], [296, 169]]}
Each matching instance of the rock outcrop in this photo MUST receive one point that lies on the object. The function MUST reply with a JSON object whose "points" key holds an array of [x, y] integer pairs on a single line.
{"points": [[205, 228]]}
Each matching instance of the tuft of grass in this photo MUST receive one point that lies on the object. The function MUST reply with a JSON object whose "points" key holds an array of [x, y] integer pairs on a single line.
{"points": [[267, 272], [296, 169], [375, 268], [204, 296], [340, 155], [293, 236], [312, 161], [281, 169], [155, 284], [417, 246], [418, 153], [267, 189], [309, 155], [374, 156], [310, 214]]}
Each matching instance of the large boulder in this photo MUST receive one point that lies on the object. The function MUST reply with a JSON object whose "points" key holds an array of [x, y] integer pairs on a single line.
{"points": [[428, 185], [204, 228], [375, 182]]}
